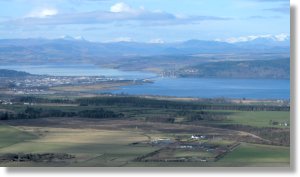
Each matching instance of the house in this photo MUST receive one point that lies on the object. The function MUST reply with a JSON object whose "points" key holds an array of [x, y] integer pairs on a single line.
{"points": [[5, 102], [194, 137], [197, 137], [185, 147]]}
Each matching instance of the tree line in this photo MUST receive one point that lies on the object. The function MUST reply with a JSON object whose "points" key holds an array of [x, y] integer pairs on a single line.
{"points": [[34, 113], [166, 104], [152, 103]]}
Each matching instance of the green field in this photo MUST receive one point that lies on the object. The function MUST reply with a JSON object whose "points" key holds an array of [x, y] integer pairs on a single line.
{"points": [[185, 153], [255, 153], [250, 118], [10, 136], [91, 147], [260, 118], [112, 148]]}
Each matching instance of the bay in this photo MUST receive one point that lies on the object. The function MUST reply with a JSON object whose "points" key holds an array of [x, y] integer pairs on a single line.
{"points": [[78, 70], [178, 87], [212, 88]]}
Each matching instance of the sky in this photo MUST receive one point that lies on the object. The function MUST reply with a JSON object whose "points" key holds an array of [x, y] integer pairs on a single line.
{"points": [[153, 21]]}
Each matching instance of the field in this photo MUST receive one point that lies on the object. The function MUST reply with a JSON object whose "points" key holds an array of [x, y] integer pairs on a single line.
{"points": [[255, 153], [91, 147], [100, 146], [152, 135], [259, 119], [10, 135]]}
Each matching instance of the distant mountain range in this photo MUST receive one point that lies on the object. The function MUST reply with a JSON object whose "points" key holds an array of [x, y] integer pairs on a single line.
{"points": [[68, 49], [206, 58]]}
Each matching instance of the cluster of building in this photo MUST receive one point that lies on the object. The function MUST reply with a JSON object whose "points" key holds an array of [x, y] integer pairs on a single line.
{"points": [[188, 149], [30, 91], [6, 102], [52, 81], [169, 74], [285, 124], [198, 137], [40, 84], [191, 143]]}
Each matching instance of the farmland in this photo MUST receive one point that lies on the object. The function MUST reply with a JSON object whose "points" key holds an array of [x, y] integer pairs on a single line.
{"points": [[142, 132]]}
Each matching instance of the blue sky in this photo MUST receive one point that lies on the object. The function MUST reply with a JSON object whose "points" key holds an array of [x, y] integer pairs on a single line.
{"points": [[144, 20]]}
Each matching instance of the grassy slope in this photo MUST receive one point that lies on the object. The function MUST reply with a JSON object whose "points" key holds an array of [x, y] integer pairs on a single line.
{"points": [[91, 147], [10, 136]]}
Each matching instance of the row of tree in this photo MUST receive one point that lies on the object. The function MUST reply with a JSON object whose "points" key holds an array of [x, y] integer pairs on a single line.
{"points": [[166, 104], [33, 113], [153, 103]]}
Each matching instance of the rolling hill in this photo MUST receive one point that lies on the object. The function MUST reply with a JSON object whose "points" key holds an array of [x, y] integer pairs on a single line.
{"points": [[267, 69]]}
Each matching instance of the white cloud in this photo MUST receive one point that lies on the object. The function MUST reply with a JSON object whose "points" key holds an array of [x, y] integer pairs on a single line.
{"points": [[279, 37], [119, 12], [42, 13], [121, 7], [156, 41]]}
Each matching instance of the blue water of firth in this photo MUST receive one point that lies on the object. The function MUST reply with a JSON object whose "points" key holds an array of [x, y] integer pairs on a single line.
{"points": [[78, 70], [179, 87], [212, 88]]}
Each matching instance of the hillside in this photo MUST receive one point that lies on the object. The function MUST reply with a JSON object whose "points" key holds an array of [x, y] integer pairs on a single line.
{"points": [[271, 69], [12, 73]]}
